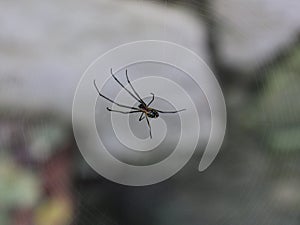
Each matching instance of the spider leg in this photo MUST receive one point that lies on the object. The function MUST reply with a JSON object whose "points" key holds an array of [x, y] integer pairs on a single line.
{"points": [[135, 92], [118, 111], [170, 111], [151, 99], [141, 117], [108, 99], [116, 79], [149, 126]]}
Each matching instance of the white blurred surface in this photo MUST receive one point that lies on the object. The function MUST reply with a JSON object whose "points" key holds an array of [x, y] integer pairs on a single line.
{"points": [[45, 46], [251, 32]]}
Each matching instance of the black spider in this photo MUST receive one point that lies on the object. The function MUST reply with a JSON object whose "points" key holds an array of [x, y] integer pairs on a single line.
{"points": [[143, 108]]}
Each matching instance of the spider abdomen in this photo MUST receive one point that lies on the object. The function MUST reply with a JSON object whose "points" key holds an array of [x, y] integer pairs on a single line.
{"points": [[152, 113]]}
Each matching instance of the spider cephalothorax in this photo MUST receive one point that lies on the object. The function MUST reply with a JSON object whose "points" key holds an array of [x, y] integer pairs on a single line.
{"points": [[143, 108], [151, 113]]}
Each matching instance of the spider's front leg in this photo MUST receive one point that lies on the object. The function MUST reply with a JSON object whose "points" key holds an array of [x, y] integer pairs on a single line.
{"points": [[118, 111], [151, 99]]}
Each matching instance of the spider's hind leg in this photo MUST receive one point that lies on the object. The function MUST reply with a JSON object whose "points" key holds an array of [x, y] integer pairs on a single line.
{"points": [[142, 116], [149, 126]]}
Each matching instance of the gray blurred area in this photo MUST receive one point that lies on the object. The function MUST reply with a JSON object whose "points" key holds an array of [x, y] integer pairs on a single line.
{"points": [[252, 47]]}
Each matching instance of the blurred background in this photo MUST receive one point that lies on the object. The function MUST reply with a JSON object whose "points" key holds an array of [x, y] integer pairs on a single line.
{"points": [[253, 48]]}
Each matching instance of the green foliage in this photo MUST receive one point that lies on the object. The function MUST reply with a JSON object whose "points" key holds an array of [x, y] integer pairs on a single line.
{"points": [[277, 110]]}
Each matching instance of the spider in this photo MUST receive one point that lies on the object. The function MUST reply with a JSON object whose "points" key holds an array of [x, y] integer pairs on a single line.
{"points": [[143, 107]]}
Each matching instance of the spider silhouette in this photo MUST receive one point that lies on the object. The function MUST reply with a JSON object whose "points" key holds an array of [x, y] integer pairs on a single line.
{"points": [[143, 107]]}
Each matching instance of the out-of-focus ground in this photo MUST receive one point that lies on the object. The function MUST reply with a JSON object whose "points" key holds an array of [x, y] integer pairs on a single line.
{"points": [[253, 48]]}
